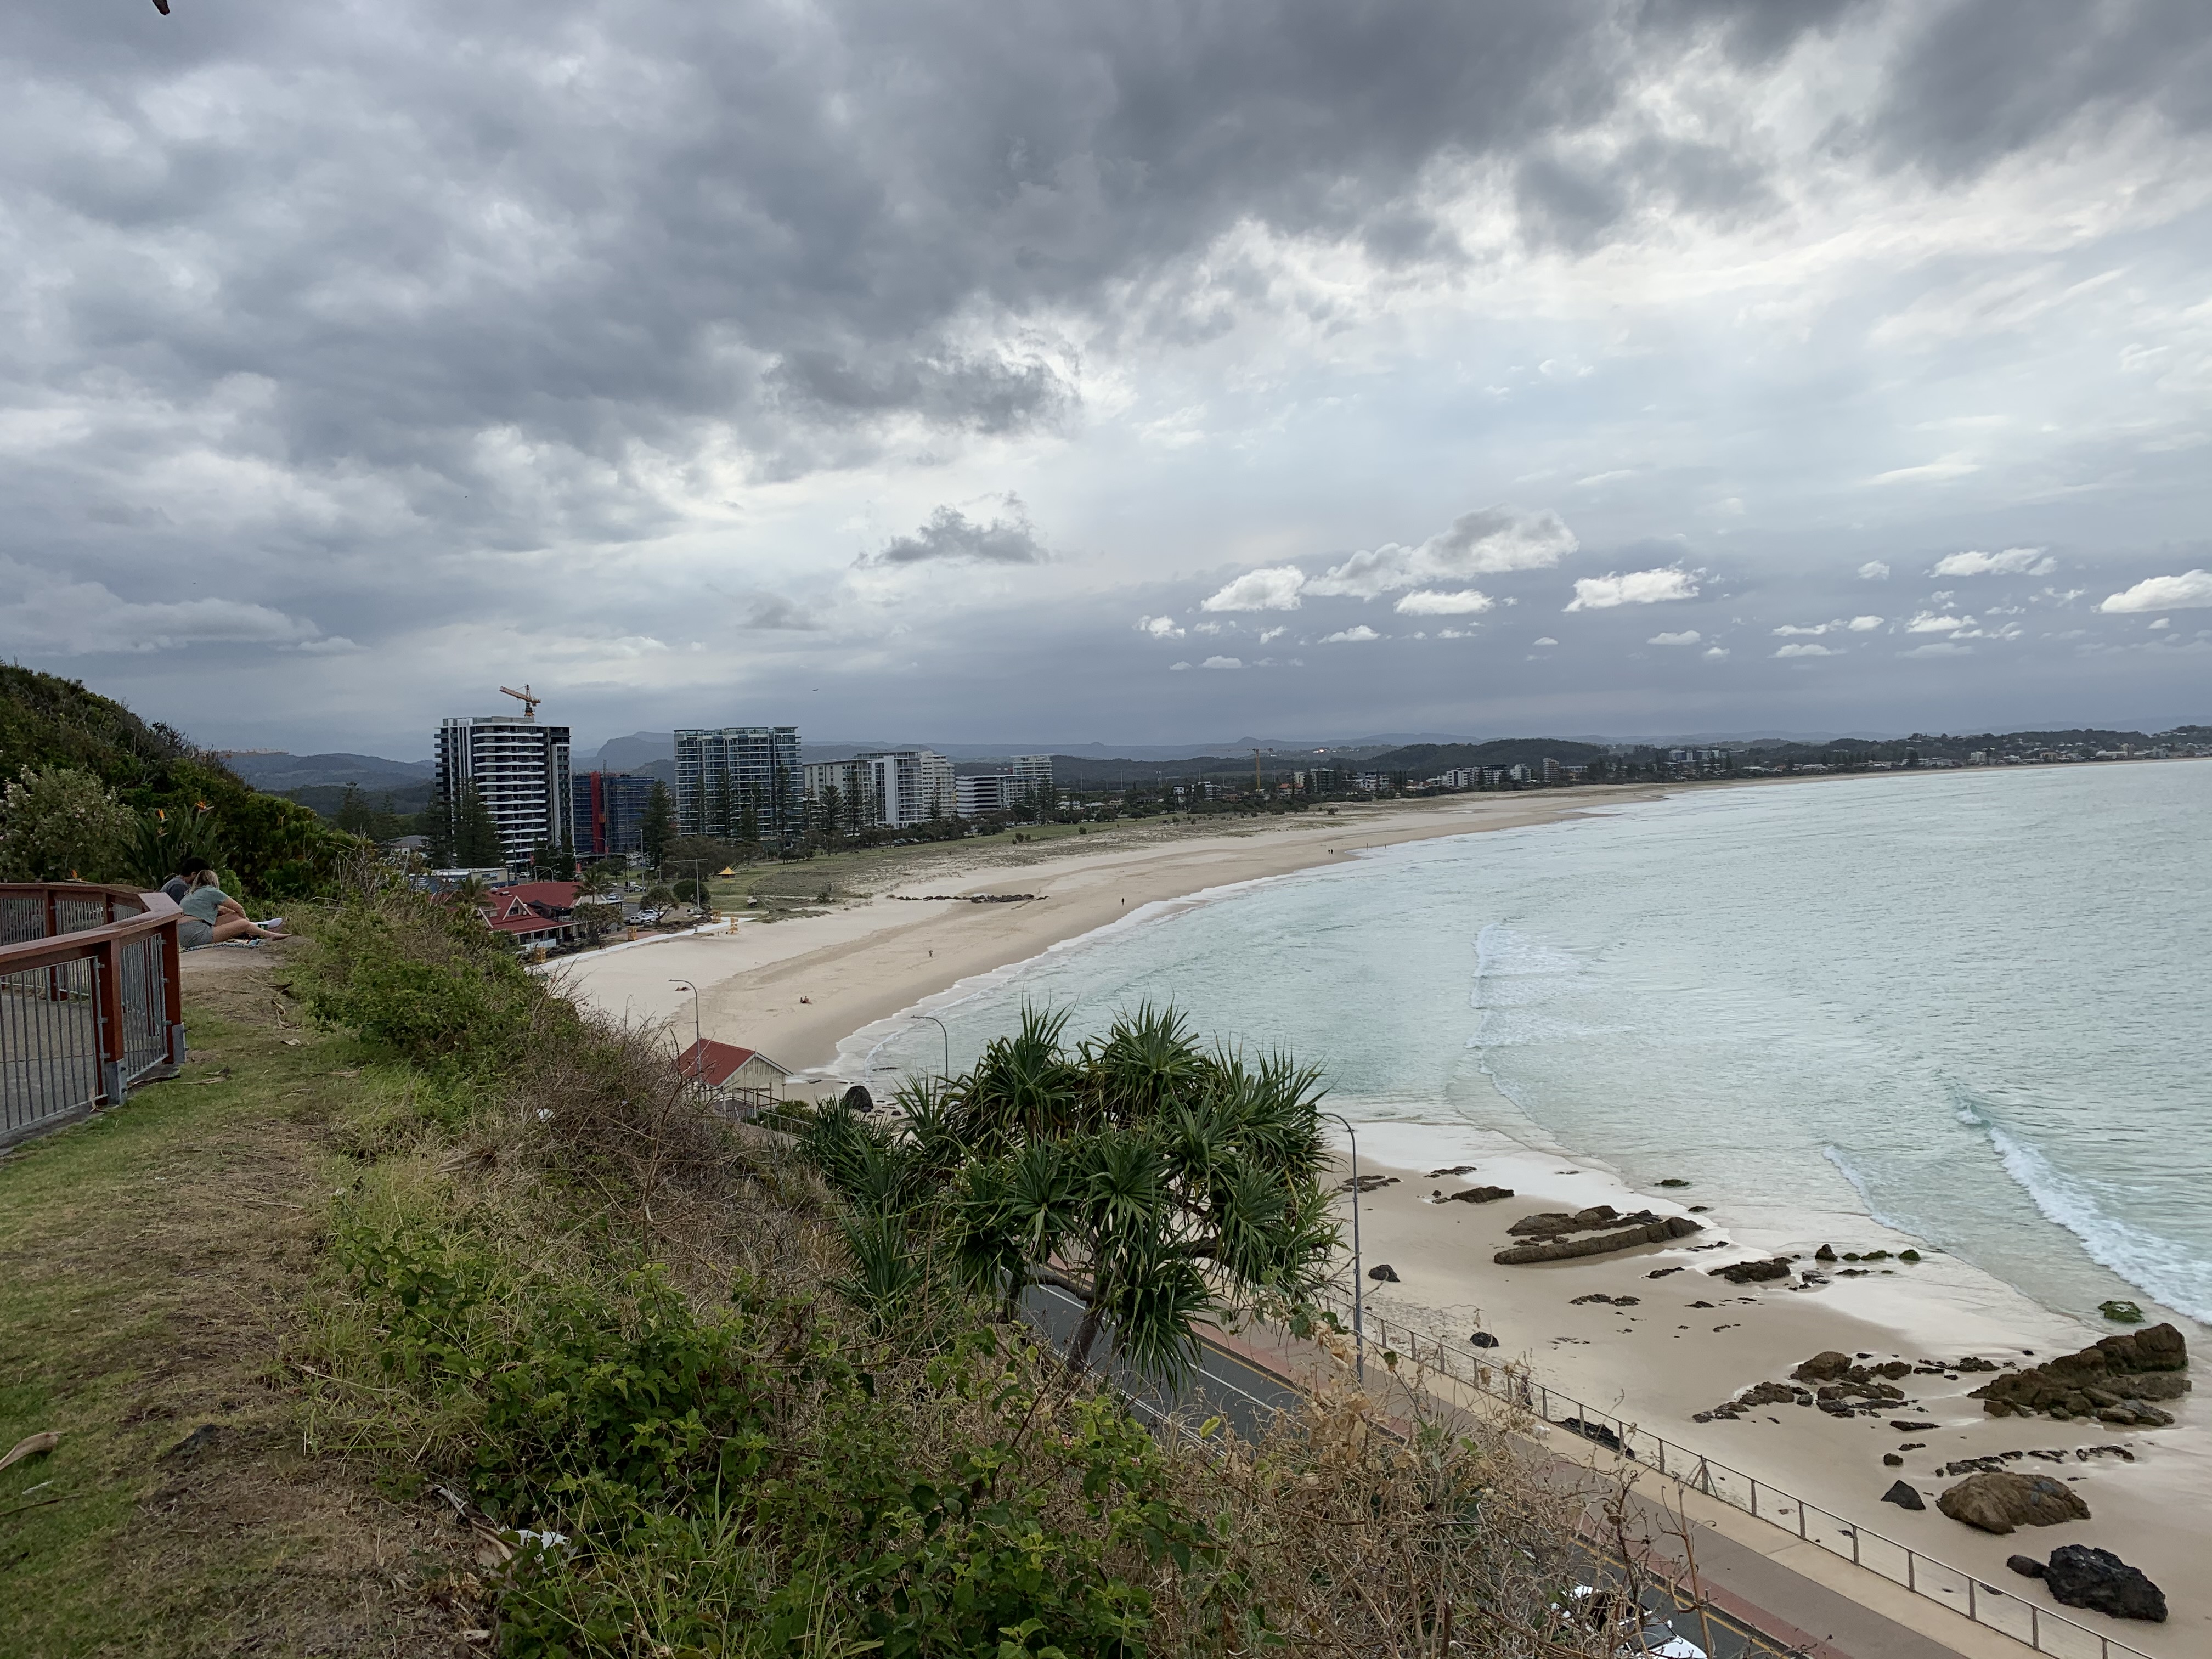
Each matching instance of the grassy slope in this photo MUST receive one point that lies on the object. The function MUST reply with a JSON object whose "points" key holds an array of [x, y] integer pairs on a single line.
{"points": [[151, 1264]]}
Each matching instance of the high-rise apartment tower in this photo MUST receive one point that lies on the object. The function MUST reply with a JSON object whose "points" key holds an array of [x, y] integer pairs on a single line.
{"points": [[731, 778], [519, 769]]}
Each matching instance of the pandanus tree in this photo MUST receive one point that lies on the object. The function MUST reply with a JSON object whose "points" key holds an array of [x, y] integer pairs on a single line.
{"points": [[1156, 1181]]}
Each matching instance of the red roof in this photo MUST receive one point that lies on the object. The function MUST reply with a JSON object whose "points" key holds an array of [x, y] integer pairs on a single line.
{"points": [[718, 1062], [560, 895]]}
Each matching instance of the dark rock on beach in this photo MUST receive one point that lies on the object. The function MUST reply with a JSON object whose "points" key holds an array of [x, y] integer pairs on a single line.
{"points": [[1478, 1196], [1457, 1168], [2082, 1576], [1483, 1340], [1901, 1493], [1383, 1272], [2026, 1565], [1654, 1231], [1999, 1502], [1753, 1273], [1826, 1253], [2113, 1381]]}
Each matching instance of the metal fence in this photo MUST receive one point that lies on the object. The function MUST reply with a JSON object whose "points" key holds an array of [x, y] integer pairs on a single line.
{"points": [[2046, 1631], [89, 1000]]}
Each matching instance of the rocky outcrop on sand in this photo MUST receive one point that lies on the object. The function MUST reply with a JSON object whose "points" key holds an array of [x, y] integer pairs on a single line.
{"points": [[1753, 1273], [2113, 1381], [1655, 1230], [1830, 1380], [1556, 1224], [1902, 1494], [1478, 1195], [1830, 1366], [2082, 1576], [1383, 1273], [2000, 1502]]}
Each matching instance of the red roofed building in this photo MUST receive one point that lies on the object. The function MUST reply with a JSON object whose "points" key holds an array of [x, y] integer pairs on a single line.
{"points": [[744, 1077], [530, 912]]}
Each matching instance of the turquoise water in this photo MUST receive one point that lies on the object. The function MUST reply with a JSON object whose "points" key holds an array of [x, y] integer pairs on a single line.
{"points": [[1971, 1005]]}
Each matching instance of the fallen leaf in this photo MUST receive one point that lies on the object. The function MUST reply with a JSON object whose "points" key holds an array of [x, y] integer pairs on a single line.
{"points": [[36, 1445]]}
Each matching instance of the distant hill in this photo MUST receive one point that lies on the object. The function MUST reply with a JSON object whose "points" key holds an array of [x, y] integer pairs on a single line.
{"points": [[631, 754], [284, 774], [326, 798]]}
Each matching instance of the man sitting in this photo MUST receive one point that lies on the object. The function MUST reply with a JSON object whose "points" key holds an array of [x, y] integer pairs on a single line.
{"points": [[213, 917]]}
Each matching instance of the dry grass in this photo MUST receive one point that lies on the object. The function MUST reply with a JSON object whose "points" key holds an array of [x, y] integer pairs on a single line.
{"points": [[151, 1263]]}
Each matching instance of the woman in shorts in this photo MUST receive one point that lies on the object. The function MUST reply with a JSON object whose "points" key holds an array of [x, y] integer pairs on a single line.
{"points": [[212, 916]]}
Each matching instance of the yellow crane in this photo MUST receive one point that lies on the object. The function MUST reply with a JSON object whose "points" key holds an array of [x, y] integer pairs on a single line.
{"points": [[524, 696]]}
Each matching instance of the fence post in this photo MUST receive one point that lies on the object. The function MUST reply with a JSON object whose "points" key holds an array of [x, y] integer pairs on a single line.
{"points": [[107, 1003], [173, 990]]}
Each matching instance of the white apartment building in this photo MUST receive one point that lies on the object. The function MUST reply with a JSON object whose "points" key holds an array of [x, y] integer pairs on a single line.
{"points": [[891, 788], [993, 791], [1032, 773], [520, 770], [730, 777]]}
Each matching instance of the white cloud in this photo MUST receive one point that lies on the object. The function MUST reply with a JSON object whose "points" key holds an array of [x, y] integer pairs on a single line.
{"points": [[1636, 587], [1431, 602], [1874, 570], [1267, 634], [1355, 635], [52, 615], [1929, 623], [2013, 561], [1479, 544], [1275, 588], [1938, 648], [1792, 628], [1548, 640], [1160, 628], [2163, 621], [2189, 591], [1864, 624], [1717, 651], [1177, 667], [1938, 471], [1687, 636], [1806, 650], [1209, 627], [1222, 662]]}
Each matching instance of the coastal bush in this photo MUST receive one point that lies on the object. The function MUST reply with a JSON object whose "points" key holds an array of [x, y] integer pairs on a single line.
{"points": [[61, 824], [735, 1387]]}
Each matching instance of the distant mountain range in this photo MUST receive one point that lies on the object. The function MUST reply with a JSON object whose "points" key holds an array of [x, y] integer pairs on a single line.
{"points": [[276, 773]]}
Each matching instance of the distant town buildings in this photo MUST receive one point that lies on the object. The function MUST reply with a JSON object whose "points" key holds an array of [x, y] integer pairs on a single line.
{"points": [[518, 768], [1028, 785], [610, 809], [740, 782]]}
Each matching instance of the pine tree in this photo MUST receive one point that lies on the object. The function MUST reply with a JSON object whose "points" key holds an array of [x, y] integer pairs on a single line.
{"points": [[659, 828], [476, 834], [748, 824]]}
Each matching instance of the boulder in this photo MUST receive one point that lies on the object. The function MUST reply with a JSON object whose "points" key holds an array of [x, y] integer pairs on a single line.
{"points": [[1549, 1224], [1483, 1340], [1998, 1502], [2082, 1576], [1383, 1272], [1478, 1196], [2141, 1365], [1457, 1168], [2026, 1565], [1561, 1250], [1823, 1367], [1892, 1460], [1753, 1273], [1901, 1493], [1826, 1253]]}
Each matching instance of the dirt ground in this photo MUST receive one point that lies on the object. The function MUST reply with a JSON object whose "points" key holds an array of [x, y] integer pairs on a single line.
{"points": [[153, 1264]]}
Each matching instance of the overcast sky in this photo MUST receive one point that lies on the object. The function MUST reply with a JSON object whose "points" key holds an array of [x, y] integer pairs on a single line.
{"points": [[1143, 372]]}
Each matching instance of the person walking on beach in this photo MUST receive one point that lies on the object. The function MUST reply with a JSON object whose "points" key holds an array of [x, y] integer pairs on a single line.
{"points": [[213, 917]]}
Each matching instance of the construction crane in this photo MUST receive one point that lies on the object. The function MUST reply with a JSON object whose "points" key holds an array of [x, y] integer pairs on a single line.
{"points": [[529, 703], [1256, 753]]}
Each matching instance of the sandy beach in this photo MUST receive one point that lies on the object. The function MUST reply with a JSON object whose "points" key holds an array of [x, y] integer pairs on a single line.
{"points": [[1688, 1341]]}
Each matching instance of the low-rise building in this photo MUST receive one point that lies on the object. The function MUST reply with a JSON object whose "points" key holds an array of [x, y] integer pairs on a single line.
{"points": [[744, 1078]]}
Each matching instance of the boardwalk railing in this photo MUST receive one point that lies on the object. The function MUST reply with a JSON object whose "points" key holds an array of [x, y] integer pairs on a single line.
{"points": [[1996, 1609], [89, 999]]}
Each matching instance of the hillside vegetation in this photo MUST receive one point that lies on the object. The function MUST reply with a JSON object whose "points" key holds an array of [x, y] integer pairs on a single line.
{"points": [[276, 847], [582, 1369]]}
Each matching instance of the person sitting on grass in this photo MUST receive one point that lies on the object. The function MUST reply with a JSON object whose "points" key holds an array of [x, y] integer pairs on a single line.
{"points": [[212, 916]]}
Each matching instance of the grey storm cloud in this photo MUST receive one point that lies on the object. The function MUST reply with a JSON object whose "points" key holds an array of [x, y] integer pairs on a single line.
{"points": [[951, 534], [440, 329]]}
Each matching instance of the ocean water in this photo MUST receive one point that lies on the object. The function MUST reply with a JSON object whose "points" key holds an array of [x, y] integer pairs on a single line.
{"points": [[1973, 1005]]}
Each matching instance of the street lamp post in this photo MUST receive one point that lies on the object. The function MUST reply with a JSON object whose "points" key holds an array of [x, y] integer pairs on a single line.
{"points": [[1358, 1288], [698, 1042], [947, 1035]]}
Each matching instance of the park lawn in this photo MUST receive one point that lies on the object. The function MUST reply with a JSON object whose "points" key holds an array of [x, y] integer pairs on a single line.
{"points": [[153, 1264]]}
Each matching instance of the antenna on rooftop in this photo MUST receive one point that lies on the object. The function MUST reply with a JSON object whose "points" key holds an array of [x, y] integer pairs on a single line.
{"points": [[529, 703]]}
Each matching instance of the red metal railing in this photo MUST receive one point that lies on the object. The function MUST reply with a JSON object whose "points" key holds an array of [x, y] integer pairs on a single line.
{"points": [[90, 1001]]}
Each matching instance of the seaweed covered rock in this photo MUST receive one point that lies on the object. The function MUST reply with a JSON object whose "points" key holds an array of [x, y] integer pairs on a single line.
{"points": [[1659, 1231]]}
